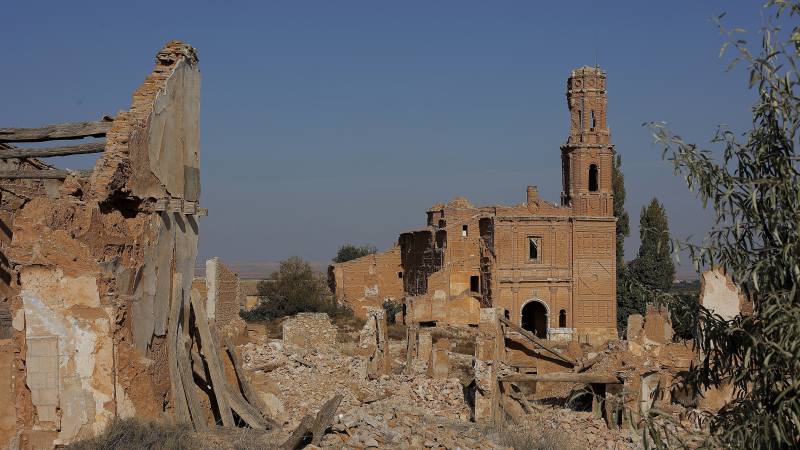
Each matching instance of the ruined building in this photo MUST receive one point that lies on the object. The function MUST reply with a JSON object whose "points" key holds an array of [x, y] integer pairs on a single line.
{"points": [[551, 267], [91, 259]]}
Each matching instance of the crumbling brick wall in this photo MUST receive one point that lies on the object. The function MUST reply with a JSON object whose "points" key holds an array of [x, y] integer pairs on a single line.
{"points": [[223, 293], [89, 261]]}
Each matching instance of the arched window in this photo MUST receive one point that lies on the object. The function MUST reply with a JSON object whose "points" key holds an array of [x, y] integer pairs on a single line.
{"points": [[562, 318], [591, 121], [593, 178]]}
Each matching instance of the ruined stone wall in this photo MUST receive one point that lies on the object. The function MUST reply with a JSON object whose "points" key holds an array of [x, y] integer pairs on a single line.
{"points": [[223, 293], [368, 281], [309, 330], [89, 264]]}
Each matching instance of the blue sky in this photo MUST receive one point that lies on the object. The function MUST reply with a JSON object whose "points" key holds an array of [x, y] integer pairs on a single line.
{"points": [[327, 123]]}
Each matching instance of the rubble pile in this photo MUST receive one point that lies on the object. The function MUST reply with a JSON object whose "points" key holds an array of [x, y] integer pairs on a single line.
{"points": [[397, 426], [306, 379]]}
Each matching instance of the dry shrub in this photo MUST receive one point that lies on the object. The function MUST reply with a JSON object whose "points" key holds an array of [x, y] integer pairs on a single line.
{"points": [[140, 434], [536, 434], [165, 434], [397, 332]]}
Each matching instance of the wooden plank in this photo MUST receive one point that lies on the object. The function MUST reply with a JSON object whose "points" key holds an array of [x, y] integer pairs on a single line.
{"points": [[252, 396], [536, 340], [192, 400], [520, 397], [325, 417], [213, 358], [42, 174], [564, 377], [198, 368], [313, 426], [300, 433], [64, 150], [245, 410], [176, 382], [61, 131], [411, 341]]}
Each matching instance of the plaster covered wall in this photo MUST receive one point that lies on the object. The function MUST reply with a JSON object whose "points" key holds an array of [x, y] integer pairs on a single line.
{"points": [[720, 294]]}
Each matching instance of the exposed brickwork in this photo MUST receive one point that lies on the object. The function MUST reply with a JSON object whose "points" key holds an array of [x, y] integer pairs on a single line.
{"points": [[222, 286], [131, 127]]}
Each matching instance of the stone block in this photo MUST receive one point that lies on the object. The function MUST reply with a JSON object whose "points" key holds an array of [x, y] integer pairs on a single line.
{"points": [[425, 345], [654, 329], [635, 324]]}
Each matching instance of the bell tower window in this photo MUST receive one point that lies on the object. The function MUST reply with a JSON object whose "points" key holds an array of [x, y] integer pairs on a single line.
{"points": [[591, 121], [593, 178]]}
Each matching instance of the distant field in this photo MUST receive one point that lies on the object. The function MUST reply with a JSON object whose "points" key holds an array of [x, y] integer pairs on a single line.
{"points": [[257, 270]]}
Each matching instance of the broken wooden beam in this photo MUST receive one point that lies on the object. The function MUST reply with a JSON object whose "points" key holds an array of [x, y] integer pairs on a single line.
{"points": [[59, 131], [563, 377], [536, 340], [176, 383], [313, 427], [213, 357], [42, 174], [190, 391], [64, 150], [245, 410], [252, 396]]}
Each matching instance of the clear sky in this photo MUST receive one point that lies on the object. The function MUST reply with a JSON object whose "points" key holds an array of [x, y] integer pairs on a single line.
{"points": [[335, 122]]}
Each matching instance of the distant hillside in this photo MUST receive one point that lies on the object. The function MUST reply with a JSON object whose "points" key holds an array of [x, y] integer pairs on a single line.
{"points": [[258, 270]]}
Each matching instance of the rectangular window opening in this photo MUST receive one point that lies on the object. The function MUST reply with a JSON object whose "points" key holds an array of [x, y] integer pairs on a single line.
{"points": [[534, 248], [474, 283], [463, 230], [400, 275]]}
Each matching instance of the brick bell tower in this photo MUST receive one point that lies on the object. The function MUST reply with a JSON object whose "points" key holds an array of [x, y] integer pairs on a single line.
{"points": [[586, 157]]}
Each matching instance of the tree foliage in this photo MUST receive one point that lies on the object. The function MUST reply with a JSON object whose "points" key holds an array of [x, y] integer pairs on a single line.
{"points": [[756, 239], [623, 220], [653, 264], [350, 252], [651, 271], [623, 231], [295, 287]]}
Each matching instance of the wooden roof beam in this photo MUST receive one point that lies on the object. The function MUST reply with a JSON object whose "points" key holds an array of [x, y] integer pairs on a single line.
{"points": [[64, 150], [41, 174], [55, 132]]}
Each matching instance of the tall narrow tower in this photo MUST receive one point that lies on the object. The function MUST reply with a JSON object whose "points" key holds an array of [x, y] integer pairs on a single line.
{"points": [[586, 158]]}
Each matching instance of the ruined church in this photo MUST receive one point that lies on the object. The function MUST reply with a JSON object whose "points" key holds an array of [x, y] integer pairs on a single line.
{"points": [[552, 267]]}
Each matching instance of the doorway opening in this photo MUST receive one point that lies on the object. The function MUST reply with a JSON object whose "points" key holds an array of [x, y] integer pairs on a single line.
{"points": [[534, 319]]}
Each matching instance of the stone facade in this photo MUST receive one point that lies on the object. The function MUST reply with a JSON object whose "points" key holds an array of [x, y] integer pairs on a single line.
{"points": [[309, 330], [552, 267], [88, 263]]}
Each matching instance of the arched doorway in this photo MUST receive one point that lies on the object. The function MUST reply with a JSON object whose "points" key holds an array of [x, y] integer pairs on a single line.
{"points": [[534, 319]]}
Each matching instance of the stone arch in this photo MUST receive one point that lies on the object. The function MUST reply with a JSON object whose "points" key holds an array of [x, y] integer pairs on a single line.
{"points": [[534, 316]]}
